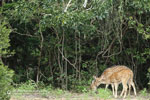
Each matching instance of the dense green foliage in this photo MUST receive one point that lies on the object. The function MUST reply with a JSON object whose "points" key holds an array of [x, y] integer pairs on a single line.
{"points": [[5, 82], [4, 38], [65, 48], [5, 73]]}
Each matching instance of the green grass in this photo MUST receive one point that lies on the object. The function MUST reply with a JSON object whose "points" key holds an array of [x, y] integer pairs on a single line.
{"points": [[48, 91], [30, 87], [105, 94], [144, 92]]}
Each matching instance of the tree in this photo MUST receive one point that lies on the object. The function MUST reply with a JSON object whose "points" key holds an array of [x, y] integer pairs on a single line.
{"points": [[63, 43]]}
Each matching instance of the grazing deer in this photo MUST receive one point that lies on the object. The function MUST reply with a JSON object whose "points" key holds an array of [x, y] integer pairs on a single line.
{"points": [[107, 72], [114, 76]]}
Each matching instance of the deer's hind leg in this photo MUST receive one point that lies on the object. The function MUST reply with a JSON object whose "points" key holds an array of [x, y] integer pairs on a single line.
{"points": [[133, 85], [125, 87]]}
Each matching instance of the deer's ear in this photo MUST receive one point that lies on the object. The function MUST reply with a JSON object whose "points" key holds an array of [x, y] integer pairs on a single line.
{"points": [[94, 77]]}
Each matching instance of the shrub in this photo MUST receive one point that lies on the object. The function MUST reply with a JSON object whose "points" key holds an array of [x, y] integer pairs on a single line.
{"points": [[30, 85], [148, 76], [143, 92], [80, 88], [5, 82]]}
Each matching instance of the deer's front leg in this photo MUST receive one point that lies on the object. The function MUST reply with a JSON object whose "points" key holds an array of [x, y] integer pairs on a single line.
{"points": [[116, 89]]}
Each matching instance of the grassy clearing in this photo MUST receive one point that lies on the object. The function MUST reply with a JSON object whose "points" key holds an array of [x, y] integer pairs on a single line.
{"points": [[31, 90]]}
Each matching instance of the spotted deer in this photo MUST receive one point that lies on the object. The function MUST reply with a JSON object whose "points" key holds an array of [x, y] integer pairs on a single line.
{"points": [[107, 72], [114, 76]]}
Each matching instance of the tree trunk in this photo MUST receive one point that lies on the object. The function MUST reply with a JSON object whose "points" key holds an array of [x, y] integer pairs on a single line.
{"points": [[66, 74], [39, 59], [79, 59]]}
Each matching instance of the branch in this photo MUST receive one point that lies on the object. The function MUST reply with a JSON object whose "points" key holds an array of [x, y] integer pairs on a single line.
{"points": [[39, 59], [67, 60], [109, 47], [115, 53], [67, 6], [24, 34], [85, 3]]}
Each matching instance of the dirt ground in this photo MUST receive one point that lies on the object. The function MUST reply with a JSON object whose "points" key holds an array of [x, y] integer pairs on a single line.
{"points": [[74, 97]]}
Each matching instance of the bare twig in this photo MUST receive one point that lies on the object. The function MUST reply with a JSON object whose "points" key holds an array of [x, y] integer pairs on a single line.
{"points": [[67, 6], [115, 53], [109, 47], [24, 34], [68, 60]]}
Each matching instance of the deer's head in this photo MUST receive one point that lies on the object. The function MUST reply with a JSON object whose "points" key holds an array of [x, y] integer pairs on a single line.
{"points": [[95, 83]]}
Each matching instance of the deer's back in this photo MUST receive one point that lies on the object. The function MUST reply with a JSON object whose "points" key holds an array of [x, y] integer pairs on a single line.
{"points": [[121, 76], [109, 71]]}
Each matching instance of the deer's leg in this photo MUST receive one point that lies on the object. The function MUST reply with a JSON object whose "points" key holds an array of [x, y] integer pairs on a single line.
{"points": [[133, 85], [106, 86], [129, 87], [122, 92], [125, 87], [116, 89], [112, 85]]}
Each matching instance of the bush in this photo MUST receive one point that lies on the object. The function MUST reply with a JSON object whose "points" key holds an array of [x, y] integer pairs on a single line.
{"points": [[148, 76], [81, 88], [30, 85], [5, 82], [143, 92]]}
